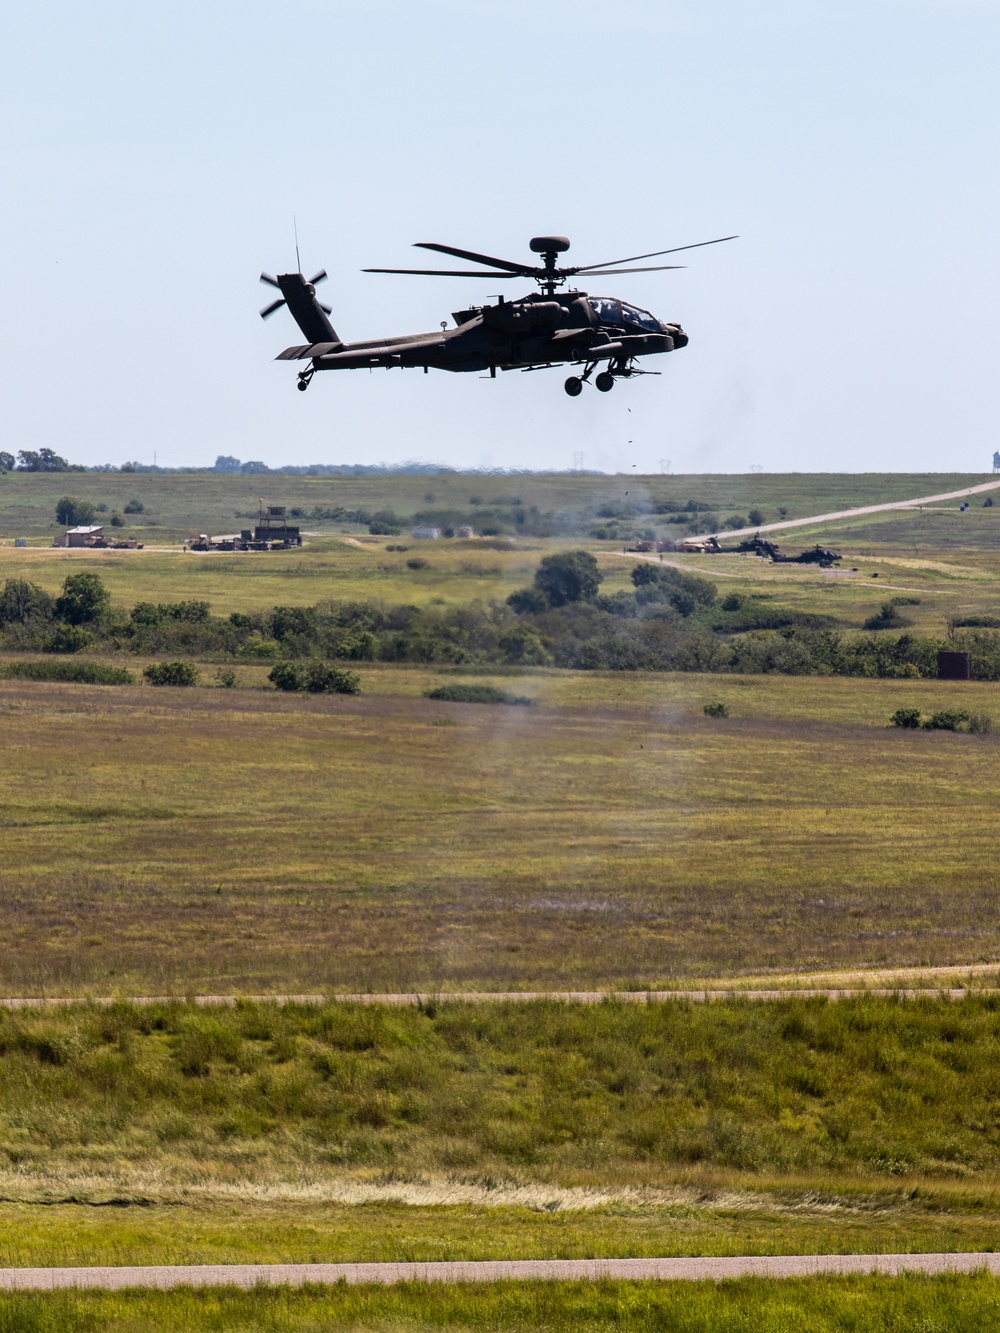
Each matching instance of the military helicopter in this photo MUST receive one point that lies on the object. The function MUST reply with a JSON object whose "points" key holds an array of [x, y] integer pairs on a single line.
{"points": [[534, 332]]}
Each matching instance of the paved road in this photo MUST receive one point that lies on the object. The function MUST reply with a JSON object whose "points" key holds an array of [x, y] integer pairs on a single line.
{"points": [[497, 1270], [404, 998], [865, 509]]}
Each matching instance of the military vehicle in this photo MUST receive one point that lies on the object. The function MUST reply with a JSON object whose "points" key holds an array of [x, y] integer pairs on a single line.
{"points": [[534, 332]]}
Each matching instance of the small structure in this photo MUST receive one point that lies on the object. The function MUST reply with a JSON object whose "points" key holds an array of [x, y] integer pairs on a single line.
{"points": [[84, 536], [465, 532], [954, 666], [272, 526], [427, 534]]}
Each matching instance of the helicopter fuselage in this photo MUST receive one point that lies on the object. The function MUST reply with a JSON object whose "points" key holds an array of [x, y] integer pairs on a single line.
{"points": [[529, 333]]}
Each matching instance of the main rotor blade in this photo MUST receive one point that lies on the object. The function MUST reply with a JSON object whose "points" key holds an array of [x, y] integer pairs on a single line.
{"points": [[326, 309], [471, 254], [610, 272], [607, 263], [452, 273], [321, 276], [272, 282], [270, 309]]}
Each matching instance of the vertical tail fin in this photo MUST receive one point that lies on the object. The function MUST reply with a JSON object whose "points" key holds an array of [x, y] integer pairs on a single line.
{"points": [[300, 297]]}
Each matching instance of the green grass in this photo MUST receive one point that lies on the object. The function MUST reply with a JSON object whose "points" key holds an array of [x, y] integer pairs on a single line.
{"points": [[909, 1304], [214, 839], [608, 1096]]}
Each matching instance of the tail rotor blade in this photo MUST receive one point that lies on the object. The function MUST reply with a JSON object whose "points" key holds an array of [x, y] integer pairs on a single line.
{"points": [[271, 282], [270, 309], [321, 276]]}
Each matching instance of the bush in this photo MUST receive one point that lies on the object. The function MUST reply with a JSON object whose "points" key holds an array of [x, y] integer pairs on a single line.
{"points": [[71, 512], [135, 507], [78, 673], [84, 599], [570, 576], [286, 676], [21, 601], [905, 717], [887, 617], [756, 517], [171, 673], [116, 520], [226, 679], [478, 694], [416, 563], [317, 678], [67, 639], [949, 719], [716, 710], [325, 678]]}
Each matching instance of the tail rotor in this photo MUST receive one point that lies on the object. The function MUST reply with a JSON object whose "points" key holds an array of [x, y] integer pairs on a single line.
{"points": [[310, 287]]}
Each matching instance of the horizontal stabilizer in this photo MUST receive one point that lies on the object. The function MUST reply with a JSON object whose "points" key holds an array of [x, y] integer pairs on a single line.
{"points": [[307, 350]]}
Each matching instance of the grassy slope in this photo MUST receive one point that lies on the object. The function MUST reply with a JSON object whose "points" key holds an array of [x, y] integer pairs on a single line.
{"points": [[327, 1134], [913, 1304]]}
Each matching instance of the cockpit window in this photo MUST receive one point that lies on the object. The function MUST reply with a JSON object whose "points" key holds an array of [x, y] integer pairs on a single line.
{"points": [[640, 318], [607, 310]]}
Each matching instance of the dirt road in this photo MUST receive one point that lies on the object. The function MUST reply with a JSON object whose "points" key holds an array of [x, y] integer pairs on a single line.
{"points": [[865, 509], [497, 1270]]}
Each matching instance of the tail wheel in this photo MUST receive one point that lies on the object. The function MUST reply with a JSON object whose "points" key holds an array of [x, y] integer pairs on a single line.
{"points": [[574, 386], [605, 381]]}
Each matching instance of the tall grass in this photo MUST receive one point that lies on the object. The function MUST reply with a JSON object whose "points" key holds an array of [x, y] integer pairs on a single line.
{"points": [[867, 1089], [909, 1304]]}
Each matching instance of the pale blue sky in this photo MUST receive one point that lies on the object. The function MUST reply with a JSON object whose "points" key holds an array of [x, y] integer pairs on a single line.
{"points": [[153, 155]]}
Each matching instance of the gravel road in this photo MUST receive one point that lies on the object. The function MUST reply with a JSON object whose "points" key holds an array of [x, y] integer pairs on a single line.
{"points": [[561, 1270]]}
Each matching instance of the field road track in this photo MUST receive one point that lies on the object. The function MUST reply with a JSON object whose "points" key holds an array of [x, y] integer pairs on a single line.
{"points": [[493, 1270], [865, 509], [403, 999]]}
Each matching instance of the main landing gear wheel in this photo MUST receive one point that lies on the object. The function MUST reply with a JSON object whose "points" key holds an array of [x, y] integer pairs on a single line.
{"points": [[305, 379], [605, 381], [574, 386], [303, 385]]}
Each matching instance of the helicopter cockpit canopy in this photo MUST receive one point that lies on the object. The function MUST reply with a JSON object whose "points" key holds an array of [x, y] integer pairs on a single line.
{"points": [[617, 313]]}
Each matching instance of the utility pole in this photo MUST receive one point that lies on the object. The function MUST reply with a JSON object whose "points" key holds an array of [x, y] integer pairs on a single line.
{"points": [[578, 461]]}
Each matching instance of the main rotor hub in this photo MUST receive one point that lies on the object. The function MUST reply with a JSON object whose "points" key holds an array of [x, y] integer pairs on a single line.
{"points": [[545, 245]]}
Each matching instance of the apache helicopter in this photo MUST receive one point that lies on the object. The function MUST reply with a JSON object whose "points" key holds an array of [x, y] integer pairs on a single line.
{"points": [[534, 332]]}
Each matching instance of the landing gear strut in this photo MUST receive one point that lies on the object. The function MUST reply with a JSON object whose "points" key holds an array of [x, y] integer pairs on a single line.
{"points": [[305, 379]]}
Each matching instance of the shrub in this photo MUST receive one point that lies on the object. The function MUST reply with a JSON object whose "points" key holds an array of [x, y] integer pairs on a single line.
{"points": [[67, 639], [21, 601], [887, 617], [286, 676], [416, 563], [980, 723], [171, 673], [570, 576], [716, 710], [70, 511], [135, 507], [78, 673], [948, 719], [225, 678], [756, 517], [905, 717], [84, 599], [325, 678], [116, 520], [478, 694]]}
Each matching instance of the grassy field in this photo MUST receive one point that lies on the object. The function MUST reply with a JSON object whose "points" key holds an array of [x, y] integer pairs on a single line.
{"points": [[913, 1304], [212, 840], [179, 503], [171, 1134]]}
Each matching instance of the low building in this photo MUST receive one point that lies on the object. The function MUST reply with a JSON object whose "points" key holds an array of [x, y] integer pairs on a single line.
{"points": [[428, 534], [83, 536], [465, 532]]}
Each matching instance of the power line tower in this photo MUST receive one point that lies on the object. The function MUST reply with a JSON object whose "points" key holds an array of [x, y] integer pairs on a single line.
{"points": [[665, 466], [578, 461]]}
